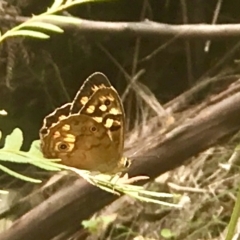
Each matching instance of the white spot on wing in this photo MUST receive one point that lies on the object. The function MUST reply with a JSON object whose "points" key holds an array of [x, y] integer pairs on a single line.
{"points": [[90, 109], [108, 123], [103, 108]]}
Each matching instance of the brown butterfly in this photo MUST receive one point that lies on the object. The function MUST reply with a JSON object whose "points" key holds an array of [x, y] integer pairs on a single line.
{"points": [[89, 132]]}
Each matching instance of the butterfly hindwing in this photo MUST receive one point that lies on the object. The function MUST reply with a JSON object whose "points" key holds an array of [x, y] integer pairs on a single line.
{"points": [[54, 117]]}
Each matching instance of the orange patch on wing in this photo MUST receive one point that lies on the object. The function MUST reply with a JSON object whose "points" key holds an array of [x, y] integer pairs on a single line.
{"points": [[98, 119], [114, 111], [102, 98], [116, 123], [103, 108], [70, 138], [62, 117], [95, 88], [111, 98], [109, 123], [57, 134], [90, 109], [66, 127]]}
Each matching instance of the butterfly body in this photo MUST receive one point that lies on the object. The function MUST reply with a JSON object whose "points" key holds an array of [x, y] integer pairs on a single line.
{"points": [[89, 132]]}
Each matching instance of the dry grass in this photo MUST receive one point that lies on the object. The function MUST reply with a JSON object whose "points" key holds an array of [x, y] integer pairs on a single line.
{"points": [[208, 185]]}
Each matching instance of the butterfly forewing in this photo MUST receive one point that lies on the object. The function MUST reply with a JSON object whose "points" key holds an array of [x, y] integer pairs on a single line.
{"points": [[90, 86], [105, 107]]}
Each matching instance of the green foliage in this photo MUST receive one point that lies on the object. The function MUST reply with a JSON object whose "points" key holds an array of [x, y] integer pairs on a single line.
{"points": [[167, 233], [120, 186], [37, 27], [11, 153], [95, 224], [46, 21], [233, 224]]}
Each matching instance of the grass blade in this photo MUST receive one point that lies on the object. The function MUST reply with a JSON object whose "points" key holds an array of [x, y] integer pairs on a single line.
{"points": [[45, 26], [17, 175]]}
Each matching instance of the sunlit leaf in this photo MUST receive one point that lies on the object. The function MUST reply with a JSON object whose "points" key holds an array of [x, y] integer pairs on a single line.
{"points": [[35, 149], [46, 166], [14, 140], [167, 233], [11, 153], [29, 33], [99, 223], [151, 200], [46, 26], [159, 194]]}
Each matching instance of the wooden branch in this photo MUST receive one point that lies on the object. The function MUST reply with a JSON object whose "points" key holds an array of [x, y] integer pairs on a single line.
{"points": [[68, 207], [146, 29], [194, 136]]}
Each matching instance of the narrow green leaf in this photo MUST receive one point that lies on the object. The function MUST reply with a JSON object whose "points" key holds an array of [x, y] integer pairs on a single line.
{"points": [[45, 166], [17, 175], [62, 19], [107, 189], [29, 33], [14, 140], [8, 156], [35, 149], [56, 4], [146, 199], [158, 194], [46, 26]]}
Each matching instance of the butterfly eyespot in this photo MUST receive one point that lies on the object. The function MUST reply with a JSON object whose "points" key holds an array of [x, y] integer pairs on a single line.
{"points": [[62, 146], [93, 129], [107, 102]]}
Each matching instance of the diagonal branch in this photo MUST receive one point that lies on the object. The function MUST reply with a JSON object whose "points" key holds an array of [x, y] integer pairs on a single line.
{"points": [[68, 207]]}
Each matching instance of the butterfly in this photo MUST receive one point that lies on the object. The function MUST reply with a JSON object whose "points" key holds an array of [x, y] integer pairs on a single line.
{"points": [[89, 132]]}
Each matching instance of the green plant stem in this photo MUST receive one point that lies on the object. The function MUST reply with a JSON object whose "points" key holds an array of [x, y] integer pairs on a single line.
{"points": [[234, 218]]}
